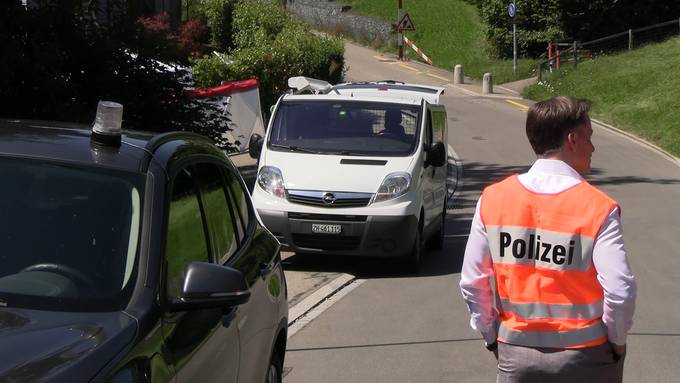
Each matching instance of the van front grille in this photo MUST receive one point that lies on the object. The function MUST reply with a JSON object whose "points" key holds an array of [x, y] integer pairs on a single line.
{"points": [[328, 217], [329, 199]]}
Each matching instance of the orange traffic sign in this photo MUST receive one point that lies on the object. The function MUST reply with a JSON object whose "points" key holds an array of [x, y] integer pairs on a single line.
{"points": [[406, 24]]}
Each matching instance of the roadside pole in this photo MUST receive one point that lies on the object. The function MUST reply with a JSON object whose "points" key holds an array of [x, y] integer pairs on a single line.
{"points": [[401, 32], [512, 12]]}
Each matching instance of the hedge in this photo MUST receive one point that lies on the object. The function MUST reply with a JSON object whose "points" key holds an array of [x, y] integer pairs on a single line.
{"points": [[271, 47]]}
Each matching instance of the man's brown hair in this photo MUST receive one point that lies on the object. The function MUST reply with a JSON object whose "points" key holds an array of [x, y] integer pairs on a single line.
{"points": [[550, 121]]}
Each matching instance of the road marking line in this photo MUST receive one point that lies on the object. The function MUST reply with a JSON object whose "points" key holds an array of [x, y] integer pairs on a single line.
{"points": [[319, 307], [506, 89], [409, 68], [517, 104], [384, 59], [437, 76], [640, 141]]}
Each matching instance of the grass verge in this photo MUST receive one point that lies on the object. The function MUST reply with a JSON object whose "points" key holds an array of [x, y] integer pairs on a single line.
{"points": [[637, 91], [450, 32]]}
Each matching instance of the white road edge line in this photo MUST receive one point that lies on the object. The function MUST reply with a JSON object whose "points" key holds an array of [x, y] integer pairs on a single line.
{"points": [[475, 94], [326, 301], [640, 141], [506, 89]]}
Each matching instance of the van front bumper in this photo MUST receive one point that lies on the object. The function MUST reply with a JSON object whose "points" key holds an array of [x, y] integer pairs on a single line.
{"points": [[360, 235]]}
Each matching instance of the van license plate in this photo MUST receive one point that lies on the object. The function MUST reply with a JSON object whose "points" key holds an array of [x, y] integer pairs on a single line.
{"points": [[326, 229]]}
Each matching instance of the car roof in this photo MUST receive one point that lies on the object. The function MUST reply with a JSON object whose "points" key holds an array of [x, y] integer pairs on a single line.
{"points": [[67, 142]]}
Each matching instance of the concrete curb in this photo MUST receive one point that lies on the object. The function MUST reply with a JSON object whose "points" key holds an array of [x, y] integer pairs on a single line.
{"points": [[320, 300]]}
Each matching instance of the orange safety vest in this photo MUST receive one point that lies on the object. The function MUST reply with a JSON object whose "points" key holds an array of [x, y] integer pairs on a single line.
{"points": [[542, 250]]}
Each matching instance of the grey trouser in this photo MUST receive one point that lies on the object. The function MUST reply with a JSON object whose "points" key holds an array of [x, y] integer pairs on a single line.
{"points": [[585, 365]]}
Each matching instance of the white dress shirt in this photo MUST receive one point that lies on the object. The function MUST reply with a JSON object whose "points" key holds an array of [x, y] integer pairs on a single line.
{"points": [[609, 258]]}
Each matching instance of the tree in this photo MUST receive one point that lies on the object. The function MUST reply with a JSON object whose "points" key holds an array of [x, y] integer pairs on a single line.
{"points": [[581, 20], [59, 61]]}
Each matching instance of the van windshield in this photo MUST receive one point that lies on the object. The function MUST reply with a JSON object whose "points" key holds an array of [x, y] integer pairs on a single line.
{"points": [[346, 127]]}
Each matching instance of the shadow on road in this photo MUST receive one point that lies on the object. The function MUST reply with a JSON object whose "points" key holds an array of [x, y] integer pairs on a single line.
{"points": [[476, 176]]}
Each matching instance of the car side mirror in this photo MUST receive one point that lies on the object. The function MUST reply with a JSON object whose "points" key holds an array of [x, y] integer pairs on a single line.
{"points": [[436, 155], [207, 286], [255, 146]]}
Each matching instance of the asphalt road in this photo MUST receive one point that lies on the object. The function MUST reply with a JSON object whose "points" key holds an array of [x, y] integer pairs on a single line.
{"points": [[406, 328]]}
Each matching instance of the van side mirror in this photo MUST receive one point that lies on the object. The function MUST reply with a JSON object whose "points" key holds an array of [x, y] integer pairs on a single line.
{"points": [[255, 146], [207, 285], [436, 155]]}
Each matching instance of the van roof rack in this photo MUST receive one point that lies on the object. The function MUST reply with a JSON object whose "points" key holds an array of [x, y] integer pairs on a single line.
{"points": [[303, 84]]}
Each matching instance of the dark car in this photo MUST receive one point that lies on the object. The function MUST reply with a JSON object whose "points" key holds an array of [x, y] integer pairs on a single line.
{"points": [[136, 259]]}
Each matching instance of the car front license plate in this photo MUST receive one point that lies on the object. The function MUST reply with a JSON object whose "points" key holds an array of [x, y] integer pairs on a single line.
{"points": [[326, 229]]}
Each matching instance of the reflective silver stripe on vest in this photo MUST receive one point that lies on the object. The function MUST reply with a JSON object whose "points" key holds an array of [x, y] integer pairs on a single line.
{"points": [[537, 310], [540, 248], [553, 339]]}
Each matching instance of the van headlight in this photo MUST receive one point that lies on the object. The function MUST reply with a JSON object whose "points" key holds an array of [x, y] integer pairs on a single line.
{"points": [[270, 180], [394, 185]]}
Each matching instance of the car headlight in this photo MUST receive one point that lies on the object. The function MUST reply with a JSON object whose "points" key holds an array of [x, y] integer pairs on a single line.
{"points": [[394, 185], [270, 180]]}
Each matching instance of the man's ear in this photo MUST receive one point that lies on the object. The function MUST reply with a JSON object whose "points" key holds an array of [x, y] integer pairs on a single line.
{"points": [[571, 139]]}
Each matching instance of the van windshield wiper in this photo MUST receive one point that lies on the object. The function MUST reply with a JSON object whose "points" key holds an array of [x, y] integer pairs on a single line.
{"points": [[294, 148]]}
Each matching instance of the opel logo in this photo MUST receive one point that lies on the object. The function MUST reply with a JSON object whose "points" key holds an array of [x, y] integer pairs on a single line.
{"points": [[328, 198]]}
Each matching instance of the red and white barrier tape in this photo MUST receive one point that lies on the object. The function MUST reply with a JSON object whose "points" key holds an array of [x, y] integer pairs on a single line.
{"points": [[415, 48]]}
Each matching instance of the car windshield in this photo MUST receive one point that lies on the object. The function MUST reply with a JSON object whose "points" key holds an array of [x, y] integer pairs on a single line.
{"points": [[346, 127], [68, 235]]}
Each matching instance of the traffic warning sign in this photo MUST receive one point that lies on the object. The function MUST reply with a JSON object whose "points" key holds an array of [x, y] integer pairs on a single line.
{"points": [[406, 24]]}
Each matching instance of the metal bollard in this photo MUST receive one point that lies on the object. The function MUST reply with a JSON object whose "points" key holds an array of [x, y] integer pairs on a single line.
{"points": [[487, 83], [458, 74]]}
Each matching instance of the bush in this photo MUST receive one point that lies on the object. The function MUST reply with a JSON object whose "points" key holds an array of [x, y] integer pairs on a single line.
{"points": [[157, 37], [272, 50], [192, 35], [257, 22], [540, 22], [219, 15]]}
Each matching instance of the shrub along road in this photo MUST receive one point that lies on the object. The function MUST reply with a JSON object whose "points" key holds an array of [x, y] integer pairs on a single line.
{"points": [[414, 328]]}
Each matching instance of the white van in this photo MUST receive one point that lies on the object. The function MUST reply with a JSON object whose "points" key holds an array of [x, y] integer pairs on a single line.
{"points": [[354, 169]]}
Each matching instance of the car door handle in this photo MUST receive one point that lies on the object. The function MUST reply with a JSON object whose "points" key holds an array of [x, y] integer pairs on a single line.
{"points": [[266, 269], [228, 316]]}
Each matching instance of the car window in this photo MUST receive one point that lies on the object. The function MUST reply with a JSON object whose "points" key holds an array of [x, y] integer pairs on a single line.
{"points": [[186, 241], [221, 218], [69, 235], [240, 201], [428, 127], [438, 125]]}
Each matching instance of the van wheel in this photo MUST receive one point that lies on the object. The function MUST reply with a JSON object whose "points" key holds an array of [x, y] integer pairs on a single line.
{"points": [[412, 261], [275, 370], [436, 242]]}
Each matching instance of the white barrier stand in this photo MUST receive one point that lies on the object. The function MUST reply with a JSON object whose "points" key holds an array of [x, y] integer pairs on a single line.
{"points": [[458, 74], [487, 84]]}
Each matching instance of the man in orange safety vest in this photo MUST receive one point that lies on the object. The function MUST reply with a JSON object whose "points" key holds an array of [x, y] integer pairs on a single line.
{"points": [[545, 274]]}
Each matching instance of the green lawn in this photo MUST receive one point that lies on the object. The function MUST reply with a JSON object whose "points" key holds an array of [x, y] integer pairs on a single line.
{"points": [[637, 91], [450, 32]]}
